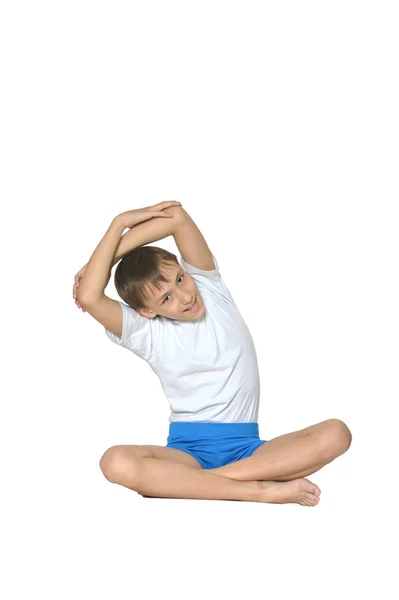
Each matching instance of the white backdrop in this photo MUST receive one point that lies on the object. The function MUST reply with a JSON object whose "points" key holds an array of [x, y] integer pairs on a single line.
{"points": [[276, 126]]}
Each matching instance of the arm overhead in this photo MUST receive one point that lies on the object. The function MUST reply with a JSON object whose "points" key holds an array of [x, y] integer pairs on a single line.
{"points": [[113, 247], [148, 232], [97, 271], [188, 238], [191, 243]]}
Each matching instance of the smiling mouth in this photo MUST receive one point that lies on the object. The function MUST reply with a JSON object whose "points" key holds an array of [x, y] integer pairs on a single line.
{"points": [[193, 307]]}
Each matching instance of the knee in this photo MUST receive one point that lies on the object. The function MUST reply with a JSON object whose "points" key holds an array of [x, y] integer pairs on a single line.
{"points": [[115, 463], [340, 436]]}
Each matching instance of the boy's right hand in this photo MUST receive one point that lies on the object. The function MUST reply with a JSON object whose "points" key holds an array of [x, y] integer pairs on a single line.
{"points": [[78, 277]]}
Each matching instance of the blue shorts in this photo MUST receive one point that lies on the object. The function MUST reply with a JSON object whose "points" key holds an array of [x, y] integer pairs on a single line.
{"points": [[214, 444]]}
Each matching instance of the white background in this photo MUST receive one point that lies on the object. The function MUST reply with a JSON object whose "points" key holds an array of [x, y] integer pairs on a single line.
{"points": [[276, 126]]}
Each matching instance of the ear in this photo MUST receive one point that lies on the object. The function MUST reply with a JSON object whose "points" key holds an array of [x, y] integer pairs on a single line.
{"points": [[146, 312]]}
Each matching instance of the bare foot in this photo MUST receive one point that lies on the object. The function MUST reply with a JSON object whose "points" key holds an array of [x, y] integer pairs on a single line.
{"points": [[302, 491]]}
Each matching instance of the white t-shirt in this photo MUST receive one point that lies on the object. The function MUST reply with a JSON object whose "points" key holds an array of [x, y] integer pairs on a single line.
{"points": [[208, 368]]}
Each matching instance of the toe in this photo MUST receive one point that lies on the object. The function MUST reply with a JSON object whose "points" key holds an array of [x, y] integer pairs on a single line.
{"points": [[312, 499], [312, 487]]}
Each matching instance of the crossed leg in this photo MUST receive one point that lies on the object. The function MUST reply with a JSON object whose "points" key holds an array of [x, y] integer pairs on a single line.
{"points": [[292, 455]]}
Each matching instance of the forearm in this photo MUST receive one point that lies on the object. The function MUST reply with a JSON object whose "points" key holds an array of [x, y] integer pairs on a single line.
{"points": [[114, 246], [98, 268], [147, 232]]}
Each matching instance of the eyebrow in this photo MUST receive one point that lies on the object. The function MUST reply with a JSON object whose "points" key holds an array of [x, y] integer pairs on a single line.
{"points": [[168, 292]]}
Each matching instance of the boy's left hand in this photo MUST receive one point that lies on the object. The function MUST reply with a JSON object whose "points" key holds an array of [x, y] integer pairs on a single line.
{"points": [[131, 218], [78, 277]]}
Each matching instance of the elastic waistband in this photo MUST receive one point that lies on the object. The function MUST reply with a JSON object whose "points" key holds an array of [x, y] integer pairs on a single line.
{"points": [[212, 428]]}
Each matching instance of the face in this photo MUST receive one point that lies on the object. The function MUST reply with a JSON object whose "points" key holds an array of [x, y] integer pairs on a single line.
{"points": [[174, 297]]}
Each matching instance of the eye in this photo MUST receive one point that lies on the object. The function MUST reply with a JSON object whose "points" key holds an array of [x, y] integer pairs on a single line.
{"points": [[163, 302]]}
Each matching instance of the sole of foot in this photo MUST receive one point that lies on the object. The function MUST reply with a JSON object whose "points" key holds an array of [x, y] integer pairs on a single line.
{"points": [[300, 491]]}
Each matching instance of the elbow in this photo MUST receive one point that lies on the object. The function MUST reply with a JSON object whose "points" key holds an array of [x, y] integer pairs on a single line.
{"points": [[84, 298], [179, 214], [177, 211]]}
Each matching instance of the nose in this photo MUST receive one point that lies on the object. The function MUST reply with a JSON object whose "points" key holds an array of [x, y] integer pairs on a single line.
{"points": [[187, 299]]}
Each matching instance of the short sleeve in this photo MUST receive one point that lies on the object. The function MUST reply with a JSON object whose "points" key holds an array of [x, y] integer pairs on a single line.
{"points": [[208, 280], [136, 333], [195, 272]]}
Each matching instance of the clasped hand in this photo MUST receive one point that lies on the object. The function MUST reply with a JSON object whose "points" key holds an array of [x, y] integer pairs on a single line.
{"points": [[131, 218]]}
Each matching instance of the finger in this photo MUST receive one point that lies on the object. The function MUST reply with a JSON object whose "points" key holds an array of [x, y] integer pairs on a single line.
{"points": [[164, 214], [79, 306]]}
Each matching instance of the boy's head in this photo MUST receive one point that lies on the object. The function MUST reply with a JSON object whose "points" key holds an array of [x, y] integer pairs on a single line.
{"points": [[152, 282]]}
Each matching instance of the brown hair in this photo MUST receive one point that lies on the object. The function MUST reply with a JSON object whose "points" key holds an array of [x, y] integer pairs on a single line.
{"points": [[140, 267]]}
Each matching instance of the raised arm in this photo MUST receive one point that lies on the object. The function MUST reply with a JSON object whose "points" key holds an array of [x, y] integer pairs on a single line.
{"points": [[147, 232], [113, 247], [188, 238], [96, 275]]}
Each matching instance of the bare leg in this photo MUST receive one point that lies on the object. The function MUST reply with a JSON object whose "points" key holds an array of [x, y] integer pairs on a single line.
{"points": [[168, 479], [292, 455]]}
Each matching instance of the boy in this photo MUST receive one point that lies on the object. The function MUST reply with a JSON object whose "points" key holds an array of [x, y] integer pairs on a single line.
{"points": [[183, 321]]}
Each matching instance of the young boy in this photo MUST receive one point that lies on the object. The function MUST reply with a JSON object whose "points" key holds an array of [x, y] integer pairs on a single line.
{"points": [[183, 321]]}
